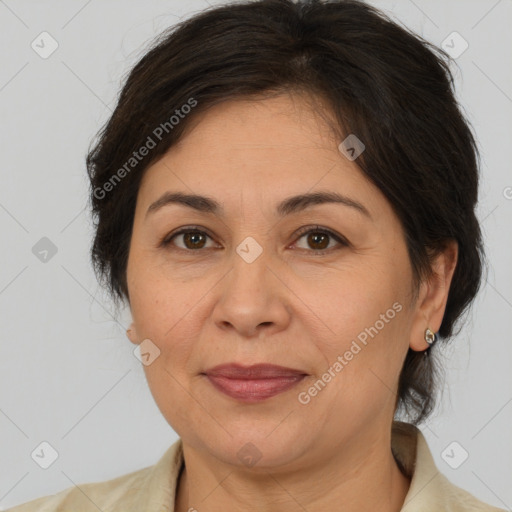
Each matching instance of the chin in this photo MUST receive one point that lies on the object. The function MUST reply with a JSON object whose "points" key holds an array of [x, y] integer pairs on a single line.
{"points": [[258, 451]]}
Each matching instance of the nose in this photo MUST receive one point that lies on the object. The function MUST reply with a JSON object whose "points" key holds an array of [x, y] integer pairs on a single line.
{"points": [[252, 298]]}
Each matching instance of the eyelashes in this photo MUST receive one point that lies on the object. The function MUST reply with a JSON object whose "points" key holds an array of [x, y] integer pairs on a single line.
{"points": [[196, 232], [324, 231]]}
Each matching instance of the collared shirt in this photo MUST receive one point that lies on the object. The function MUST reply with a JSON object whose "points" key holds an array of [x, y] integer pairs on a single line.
{"points": [[153, 488]]}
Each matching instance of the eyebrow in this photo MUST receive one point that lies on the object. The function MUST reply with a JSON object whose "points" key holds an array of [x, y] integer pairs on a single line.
{"points": [[288, 206]]}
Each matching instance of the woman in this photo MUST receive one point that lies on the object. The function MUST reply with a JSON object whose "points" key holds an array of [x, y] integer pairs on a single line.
{"points": [[285, 198]]}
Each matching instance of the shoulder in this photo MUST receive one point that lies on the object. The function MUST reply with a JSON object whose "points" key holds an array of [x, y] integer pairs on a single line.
{"points": [[458, 499], [90, 496], [429, 489], [149, 489]]}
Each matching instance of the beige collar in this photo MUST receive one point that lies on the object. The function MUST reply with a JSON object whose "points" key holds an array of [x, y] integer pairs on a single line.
{"points": [[429, 489]]}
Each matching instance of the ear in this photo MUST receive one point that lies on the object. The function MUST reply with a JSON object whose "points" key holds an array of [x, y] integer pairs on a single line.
{"points": [[432, 297], [132, 334]]}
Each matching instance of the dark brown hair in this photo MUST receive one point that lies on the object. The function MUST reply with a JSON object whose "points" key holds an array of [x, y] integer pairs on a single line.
{"points": [[380, 81]]}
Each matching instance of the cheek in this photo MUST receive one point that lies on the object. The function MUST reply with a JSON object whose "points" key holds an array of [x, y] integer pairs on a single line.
{"points": [[159, 299], [349, 301], [160, 313], [167, 388], [365, 311]]}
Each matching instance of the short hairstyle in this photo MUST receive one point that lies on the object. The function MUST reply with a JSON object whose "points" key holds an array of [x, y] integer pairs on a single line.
{"points": [[380, 81]]}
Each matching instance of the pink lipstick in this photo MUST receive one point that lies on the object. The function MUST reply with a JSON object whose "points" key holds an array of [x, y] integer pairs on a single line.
{"points": [[253, 383]]}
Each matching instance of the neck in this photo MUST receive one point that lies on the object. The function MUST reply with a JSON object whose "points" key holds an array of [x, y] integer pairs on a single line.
{"points": [[345, 481]]}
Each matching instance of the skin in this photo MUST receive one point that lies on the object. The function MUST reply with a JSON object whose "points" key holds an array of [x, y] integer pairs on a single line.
{"points": [[207, 306]]}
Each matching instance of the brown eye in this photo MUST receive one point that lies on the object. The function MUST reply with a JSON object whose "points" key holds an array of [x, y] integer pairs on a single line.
{"points": [[192, 239], [318, 239]]}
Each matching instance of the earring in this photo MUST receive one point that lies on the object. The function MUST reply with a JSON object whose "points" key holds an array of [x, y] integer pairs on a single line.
{"points": [[430, 337]]}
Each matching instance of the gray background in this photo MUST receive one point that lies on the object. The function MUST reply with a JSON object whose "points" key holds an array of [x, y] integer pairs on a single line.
{"points": [[68, 373]]}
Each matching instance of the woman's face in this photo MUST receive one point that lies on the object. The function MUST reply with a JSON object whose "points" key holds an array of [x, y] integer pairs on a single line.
{"points": [[254, 288]]}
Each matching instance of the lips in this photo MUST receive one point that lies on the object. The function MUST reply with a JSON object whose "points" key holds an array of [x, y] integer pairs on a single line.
{"points": [[253, 383], [255, 371]]}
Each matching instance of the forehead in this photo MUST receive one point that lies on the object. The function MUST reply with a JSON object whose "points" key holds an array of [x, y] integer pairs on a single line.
{"points": [[271, 128], [262, 150]]}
